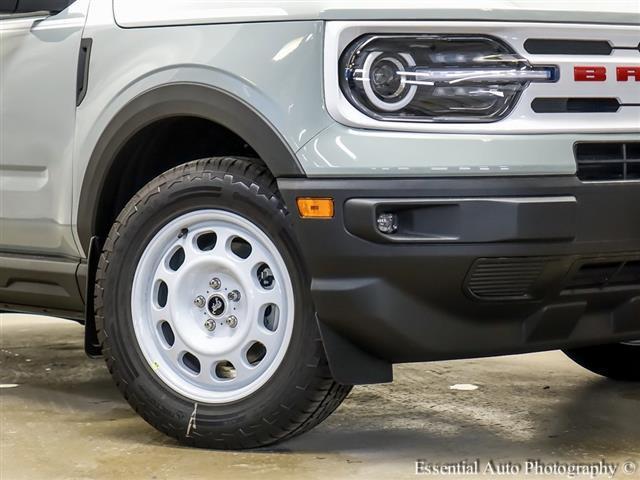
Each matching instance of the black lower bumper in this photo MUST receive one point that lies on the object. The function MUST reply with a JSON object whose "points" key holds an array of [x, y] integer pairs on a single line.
{"points": [[478, 267]]}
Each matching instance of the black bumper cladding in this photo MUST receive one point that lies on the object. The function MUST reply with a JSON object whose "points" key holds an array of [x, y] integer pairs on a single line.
{"points": [[478, 267]]}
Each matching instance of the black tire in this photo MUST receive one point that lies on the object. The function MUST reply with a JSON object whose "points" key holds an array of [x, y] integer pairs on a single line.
{"points": [[616, 361], [302, 392]]}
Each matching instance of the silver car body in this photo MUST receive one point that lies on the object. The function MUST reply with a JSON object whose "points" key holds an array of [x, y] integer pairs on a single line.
{"points": [[279, 58]]}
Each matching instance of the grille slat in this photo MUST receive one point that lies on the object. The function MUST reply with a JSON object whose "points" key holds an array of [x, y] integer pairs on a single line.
{"points": [[546, 46], [575, 105], [597, 162], [608, 161]]}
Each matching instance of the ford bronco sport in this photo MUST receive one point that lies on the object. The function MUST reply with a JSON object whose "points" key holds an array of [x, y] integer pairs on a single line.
{"points": [[254, 205]]}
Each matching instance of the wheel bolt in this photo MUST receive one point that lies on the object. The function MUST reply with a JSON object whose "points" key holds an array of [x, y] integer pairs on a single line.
{"points": [[199, 301], [210, 325], [215, 283], [234, 296], [231, 321]]}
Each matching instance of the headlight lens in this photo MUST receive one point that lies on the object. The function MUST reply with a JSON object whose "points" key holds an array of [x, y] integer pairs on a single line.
{"points": [[436, 78]]}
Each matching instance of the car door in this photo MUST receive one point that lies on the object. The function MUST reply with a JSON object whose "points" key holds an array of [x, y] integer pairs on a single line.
{"points": [[39, 51]]}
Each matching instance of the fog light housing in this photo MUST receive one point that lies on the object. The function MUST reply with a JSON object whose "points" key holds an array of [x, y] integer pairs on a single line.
{"points": [[387, 223]]}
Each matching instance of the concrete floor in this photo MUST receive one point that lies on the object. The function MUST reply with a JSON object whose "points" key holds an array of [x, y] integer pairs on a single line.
{"points": [[65, 419]]}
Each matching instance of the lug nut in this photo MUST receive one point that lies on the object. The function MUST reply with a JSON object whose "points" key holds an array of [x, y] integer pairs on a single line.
{"points": [[265, 276], [215, 283], [199, 301], [232, 321], [234, 296], [210, 325]]}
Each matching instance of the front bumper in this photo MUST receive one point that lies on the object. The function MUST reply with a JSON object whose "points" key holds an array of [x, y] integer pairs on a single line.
{"points": [[480, 266]]}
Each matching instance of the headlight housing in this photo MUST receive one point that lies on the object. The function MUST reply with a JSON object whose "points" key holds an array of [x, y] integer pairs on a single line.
{"points": [[436, 78]]}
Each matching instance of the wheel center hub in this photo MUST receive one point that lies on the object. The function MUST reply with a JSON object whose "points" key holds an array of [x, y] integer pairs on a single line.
{"points": [[216, 306]]}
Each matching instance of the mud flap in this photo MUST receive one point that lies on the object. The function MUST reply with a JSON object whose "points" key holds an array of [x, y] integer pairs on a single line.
{"points": [[92, 346], [349, 364]]}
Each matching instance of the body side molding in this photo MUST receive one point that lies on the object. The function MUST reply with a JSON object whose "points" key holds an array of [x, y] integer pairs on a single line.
{"points": [[40, 284]]}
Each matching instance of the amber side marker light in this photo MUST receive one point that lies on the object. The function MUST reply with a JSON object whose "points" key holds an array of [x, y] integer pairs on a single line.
{"points": [[315, 207]]}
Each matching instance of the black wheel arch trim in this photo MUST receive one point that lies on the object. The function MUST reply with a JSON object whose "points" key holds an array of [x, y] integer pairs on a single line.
{"points": [[179, 99]]}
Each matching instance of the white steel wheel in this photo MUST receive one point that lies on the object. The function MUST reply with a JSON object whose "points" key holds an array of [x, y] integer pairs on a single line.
{"points": [[212, 306]]}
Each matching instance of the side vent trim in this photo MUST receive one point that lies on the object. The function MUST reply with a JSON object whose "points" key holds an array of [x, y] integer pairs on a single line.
{"points": [[83, 69]]}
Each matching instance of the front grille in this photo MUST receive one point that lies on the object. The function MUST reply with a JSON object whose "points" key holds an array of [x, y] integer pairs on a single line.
{"points": [[623, 273], [597, 89], [509, 279], [608, 161]]}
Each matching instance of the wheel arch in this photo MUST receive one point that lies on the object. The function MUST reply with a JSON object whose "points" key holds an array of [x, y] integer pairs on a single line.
{"points": [[176, 100]]}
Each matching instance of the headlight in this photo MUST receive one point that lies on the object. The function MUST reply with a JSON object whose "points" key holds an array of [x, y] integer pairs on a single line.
{"points": [[436, 78]]}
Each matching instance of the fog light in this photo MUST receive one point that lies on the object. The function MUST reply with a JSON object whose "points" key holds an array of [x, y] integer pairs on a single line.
{"points": [[387, 223]]}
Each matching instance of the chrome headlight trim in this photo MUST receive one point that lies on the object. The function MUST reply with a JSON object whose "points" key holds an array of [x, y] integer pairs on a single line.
{"points": [[444, 78], [522, 119]]}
